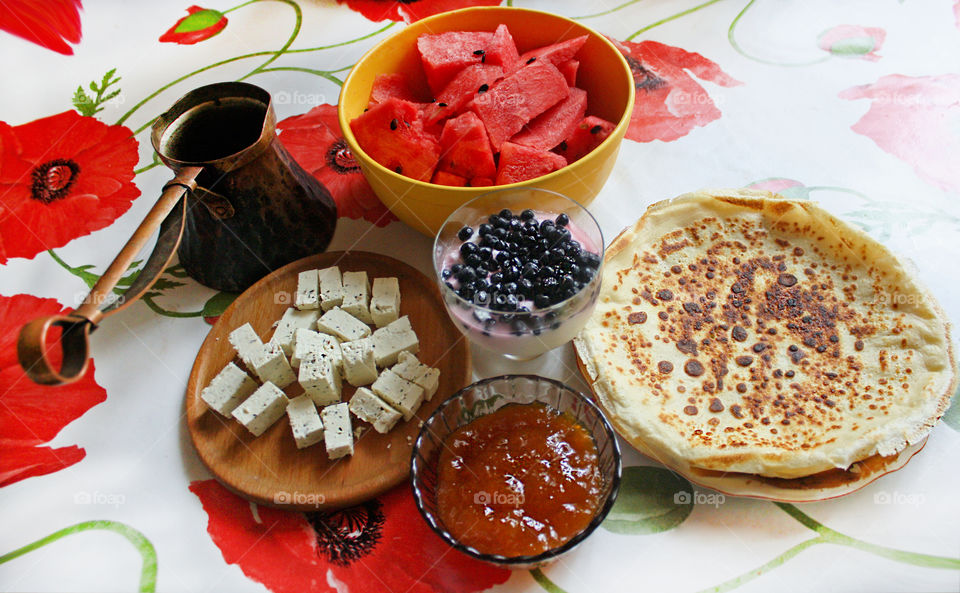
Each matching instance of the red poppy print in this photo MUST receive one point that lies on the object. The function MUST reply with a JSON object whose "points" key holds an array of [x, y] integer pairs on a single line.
{"points": [[381, 545], [32, 414], [853, 41], [670, 103], [915, 118], [199, 25], [62, 177], [48, 23], [410, 10], [315, 140]]}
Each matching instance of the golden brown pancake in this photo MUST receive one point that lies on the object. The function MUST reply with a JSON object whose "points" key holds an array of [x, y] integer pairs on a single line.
{"points": [[739, 331]]}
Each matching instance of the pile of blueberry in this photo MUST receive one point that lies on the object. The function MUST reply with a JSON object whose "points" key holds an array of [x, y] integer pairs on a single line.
{"points": [[517, 259]]}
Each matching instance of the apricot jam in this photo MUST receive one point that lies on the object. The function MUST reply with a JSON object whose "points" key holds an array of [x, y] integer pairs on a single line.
{"points": [[519, 481]]}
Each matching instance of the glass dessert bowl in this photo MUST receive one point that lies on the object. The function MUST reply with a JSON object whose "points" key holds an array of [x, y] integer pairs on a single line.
{"points": [[519, 270]]}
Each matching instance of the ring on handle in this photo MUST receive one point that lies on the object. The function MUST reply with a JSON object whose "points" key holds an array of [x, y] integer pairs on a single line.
{"points": [[33, 348]]}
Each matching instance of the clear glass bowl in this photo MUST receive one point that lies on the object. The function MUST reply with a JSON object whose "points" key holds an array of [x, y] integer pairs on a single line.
{"points": [[518, 335], [485, 397]]}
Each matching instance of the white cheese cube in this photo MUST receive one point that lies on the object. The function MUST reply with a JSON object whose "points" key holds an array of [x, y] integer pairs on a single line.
{"points": [[308, 290], [292, 320], [259, 411], [304, 421], [414, 371], [341, 324], [331, 288], [359, 366], [247, 343], [366, 406], [356, 295], [307, 341], [392, 339], [228, 389], [337, 431], [402, 395], [319, 379], [271, 365], [385, 301]]}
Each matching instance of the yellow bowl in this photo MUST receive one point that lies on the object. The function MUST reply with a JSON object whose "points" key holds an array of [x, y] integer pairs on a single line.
{"points": [[603, 73]]}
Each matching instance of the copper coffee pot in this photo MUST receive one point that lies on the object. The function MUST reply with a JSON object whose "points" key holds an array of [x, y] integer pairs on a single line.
{"points": [[238, 208]]}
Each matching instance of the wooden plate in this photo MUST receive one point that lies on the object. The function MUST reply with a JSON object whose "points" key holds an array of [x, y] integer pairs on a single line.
{"points": [[270, 469], [822, 486]]}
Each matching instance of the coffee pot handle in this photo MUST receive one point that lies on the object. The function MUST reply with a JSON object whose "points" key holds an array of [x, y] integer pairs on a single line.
{"points": [[33, 346]]}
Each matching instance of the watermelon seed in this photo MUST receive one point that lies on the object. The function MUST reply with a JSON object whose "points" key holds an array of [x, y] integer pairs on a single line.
{"points": [[442, 104], [486, 87], [596, 129], [531, 60], [399, 169], [483, 59], [479, 52], [563, 145], [393, 124]]}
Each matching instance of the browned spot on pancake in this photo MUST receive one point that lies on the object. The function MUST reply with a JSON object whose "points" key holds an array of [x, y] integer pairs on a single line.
{"points": [[665, 295], [744, 361], [635, 318], [738, 333], [787, 280], [693, 368], [687, 346], [690, 410], [737, 411], [665, 366], [716, 405]]}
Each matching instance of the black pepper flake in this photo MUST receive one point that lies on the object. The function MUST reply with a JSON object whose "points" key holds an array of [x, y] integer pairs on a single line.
{"points": [[394, 124]]}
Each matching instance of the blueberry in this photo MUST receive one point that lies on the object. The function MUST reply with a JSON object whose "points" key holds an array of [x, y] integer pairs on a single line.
{"points": [[505, 213], [549, 284], [515, 224], [563, 220], [482, 298], [496, 278], [529, 270], [531, 229], [467, 274], [572, 248], [465, 233], [555, 256], [525, 287], [562, 235], [518, 327], [591, 260], [485, 253], [468, 249], [484, 229], [512, 302], [473, 260], [455, 268], [493, 219], [450, 286], [527, 214], [502, 257], [541, 301], [566, 294], [481, 316], [546, 272], [500, 300], [445, 273], [509, 287], [489, 240], [500, 232], [500, 222], [546, 224], [574, 270], [466, 292], [568, 283], [481, 284]]}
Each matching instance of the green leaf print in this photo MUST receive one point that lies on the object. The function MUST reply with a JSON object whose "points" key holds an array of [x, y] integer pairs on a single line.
{"points": [[651, 500]]}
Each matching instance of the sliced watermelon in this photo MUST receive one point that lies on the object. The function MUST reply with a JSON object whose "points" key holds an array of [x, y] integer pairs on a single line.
{"points": [[444, 178], [585, 137], [386, 86], [557, 53], [466, 149], [445, 54], [569, 71], [502, 50], [481, 182], [392, 134], [518, 98], [553, 125], [462, 89], [519, 163]]}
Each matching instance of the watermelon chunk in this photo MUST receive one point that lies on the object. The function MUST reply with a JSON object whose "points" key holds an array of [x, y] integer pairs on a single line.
{"points": [[466, 149], [557, 53], [445, 54], [518, 98], [502, 50], [462, 89], [392, 134], [553, 125], [444, 178], [386, 86], [519, 163], [569, 71], [585, 137]]}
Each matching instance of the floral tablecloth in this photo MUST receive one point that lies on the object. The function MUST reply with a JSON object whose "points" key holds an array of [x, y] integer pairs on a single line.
{"points": [[853, 104]]}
